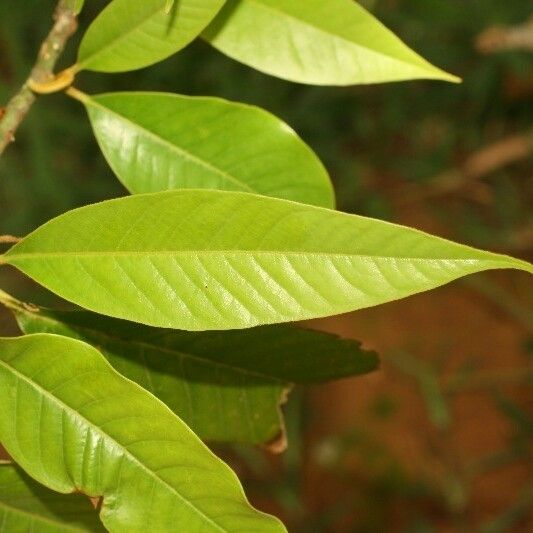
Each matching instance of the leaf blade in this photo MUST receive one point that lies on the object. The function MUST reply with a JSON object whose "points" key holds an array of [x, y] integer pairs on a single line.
{"points": [[131, 35], [118, 441], [315, 42], [229, 260], [159, 141], [248, 371]]}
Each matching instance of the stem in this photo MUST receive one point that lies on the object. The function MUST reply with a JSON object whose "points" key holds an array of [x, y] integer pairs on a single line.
{"points": [[8, 301], [13, 304], [9, 239], [77, 95], [18, 107]]}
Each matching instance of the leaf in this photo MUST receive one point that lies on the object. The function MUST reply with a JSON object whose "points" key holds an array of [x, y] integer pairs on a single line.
{"points": [[74, 424], [130, 35], [156, 141], [248, 372], [200, 260], [323, 43], [27, 506]]}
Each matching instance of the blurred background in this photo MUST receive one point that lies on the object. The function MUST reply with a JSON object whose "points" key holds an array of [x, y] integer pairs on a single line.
{"points": [[439, 439]]}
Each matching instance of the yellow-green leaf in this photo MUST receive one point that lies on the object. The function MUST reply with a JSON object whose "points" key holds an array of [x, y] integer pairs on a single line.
{"points": [[75, 424], [157, 141], [128, 35], [312, 41], [200, 260]]}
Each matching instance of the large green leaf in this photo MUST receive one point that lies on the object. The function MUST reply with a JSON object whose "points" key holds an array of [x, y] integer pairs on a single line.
{"points": [[73, 423], [156, 141], [248, 372], [128, 34], [27, 506], [311, 41], [199, 260]]}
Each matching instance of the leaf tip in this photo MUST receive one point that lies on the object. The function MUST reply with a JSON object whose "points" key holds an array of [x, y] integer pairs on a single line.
{"points": [[452, 78], [443, 75]]}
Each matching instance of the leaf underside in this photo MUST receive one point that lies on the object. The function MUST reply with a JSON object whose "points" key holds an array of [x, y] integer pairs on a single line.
{"points": [[248, 372]]}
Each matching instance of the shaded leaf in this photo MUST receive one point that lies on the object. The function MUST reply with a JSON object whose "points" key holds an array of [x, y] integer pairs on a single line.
{"points": [[27, 506], [324, 43], [130, 35], [157, 141], [246, 372], [200, 260], [73, 423]]}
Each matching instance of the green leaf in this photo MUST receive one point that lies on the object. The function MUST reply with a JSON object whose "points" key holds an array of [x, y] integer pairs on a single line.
{"points": [[199, 260], [324, 43], [130, 35], [156, 141], [248, 371], [75, 424], [27, 506]]}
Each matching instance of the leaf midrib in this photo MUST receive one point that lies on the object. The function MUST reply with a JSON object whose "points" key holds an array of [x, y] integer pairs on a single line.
{"points": [[174, 148], [39, 517], [107, 437], [164, 253]]}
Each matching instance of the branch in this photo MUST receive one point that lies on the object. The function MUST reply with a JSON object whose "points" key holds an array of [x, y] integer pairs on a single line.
{"points": [[498, 38], [9, 239], [18, 107], [478, 165], [13, 304]]}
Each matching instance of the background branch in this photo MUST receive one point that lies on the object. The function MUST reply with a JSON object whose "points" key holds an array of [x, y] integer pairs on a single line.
{"points": [[478, 165], [9, 239], [498, 38], [18, 107]]}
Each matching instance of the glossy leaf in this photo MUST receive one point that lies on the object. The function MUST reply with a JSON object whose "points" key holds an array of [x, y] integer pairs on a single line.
{"points": [[248, 372], [130, 35], [27, 506], [311, 41], [199, 260], [156, 141], [73, 423]]}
